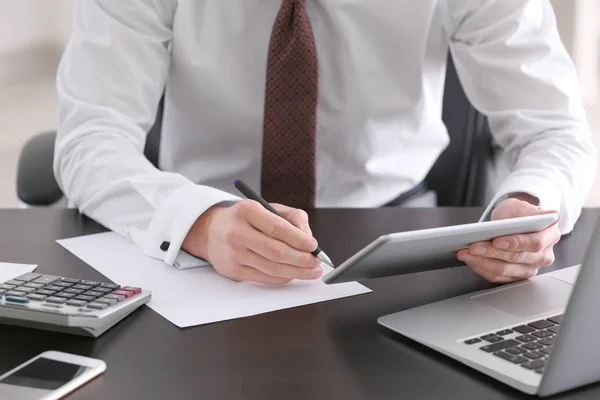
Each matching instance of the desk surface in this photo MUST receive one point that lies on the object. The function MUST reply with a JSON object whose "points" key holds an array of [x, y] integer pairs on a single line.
{"points": [[332, 350]]}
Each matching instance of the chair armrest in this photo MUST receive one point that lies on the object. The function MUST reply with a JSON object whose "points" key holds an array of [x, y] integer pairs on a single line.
{"points": [[36, 184]]}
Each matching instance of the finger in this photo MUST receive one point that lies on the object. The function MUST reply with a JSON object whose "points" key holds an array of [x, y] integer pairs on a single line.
{"points": [[243, 273], [279, 270], [486, 249], [297, 217], [498, 268], [247, 237], [278, 228], [532, 242], [488, 276]]}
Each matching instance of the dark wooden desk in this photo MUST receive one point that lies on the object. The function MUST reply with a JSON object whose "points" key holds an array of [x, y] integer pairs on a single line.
{"points": [[333, 350]]}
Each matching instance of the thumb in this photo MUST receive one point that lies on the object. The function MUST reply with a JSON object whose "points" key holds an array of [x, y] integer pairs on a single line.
{"points": [[295, 216]]}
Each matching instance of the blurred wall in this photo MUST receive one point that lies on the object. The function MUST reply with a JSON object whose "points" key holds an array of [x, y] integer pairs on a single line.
{"points": [[32, 36]]}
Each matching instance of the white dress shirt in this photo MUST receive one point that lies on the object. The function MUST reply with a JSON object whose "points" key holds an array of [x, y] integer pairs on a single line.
{"points": [[381, 79]]}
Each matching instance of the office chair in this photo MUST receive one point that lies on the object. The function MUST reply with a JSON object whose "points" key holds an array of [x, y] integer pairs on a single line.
{"points": [[460, 177]]}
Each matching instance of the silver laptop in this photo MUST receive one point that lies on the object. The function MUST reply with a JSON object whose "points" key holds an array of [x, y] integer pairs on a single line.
{"points": [[539, 336]]}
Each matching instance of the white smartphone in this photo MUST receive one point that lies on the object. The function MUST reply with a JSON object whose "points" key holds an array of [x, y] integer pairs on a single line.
{"points": [[49, 376]]}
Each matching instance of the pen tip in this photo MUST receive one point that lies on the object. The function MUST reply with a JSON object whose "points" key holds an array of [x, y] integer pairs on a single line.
{"points": [[323, 257], [235, 181]]}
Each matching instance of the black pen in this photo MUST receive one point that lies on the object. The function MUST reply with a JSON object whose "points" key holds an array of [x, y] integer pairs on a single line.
{"points": [[252, 195]]}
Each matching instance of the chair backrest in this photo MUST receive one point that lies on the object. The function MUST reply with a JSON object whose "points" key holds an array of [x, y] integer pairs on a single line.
{"points": [[459, 177]]}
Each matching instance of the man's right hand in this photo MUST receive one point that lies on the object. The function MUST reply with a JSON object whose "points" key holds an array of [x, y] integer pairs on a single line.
{"points": [[246, 242]]}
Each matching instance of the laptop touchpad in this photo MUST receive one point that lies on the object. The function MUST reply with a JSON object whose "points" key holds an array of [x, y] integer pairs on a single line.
{"points": [[539, 295]]}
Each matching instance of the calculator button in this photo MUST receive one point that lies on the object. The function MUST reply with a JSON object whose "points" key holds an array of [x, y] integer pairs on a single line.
{"points": [[102, 289], [13, 282], [135, 290], [85, 310], [104, 300], [115, 297], [110, 286], [54, 287], [84, 298], [123, 293], [69, 280], [7, 287], [34, 285], [82, 287], [15, 293], [72, 290], [92, 293], [25, 289], [56, 300], [16, 299], [52, 305], [28, 277], [47, 279], [64, 295], [76, 303], [63, 284], [2, 291], [36, 297], [91, 283], [97, 306], [46, 292]]}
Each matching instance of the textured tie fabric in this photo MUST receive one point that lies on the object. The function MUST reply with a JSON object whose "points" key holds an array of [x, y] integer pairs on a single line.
{"points": [[288, 156]]}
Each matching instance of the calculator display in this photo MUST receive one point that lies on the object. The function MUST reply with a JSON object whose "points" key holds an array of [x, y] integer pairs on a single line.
{"points": [[45, 374]]}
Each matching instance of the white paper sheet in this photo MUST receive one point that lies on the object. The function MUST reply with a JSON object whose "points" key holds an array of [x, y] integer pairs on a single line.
{"points": [[568, 275], [9, 271], [200, 295]]}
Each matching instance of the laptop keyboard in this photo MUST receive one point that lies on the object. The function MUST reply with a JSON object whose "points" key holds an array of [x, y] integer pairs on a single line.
{"points": [[528, 345]]}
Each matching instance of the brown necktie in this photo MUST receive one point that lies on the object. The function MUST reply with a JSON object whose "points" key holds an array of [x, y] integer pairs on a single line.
{"points": [[288, 157]]}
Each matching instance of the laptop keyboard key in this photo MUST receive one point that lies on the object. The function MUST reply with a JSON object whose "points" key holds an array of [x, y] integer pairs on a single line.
{"points": [[554, 329], [541, 324], [470, 341], [556, 319], [516, 350], [526, 338], [546, 350], [504, 332], [492, 338], [509, 357], [534, 355], [532, 346], [539, 370], [505, 344], [547, 341], [523, 329], [542, 334], [535, 364]]}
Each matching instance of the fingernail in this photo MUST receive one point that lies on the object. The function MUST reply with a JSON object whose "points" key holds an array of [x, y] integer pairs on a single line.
{"points": [[317, 263], [465, 257], [502, 244], [479, 250]]}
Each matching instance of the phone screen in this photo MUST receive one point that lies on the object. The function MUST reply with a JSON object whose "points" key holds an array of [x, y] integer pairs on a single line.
{"points": [[45, 374]]}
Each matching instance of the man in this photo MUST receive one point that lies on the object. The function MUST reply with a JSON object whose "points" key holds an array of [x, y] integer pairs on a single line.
{"points": [[320, 103]]}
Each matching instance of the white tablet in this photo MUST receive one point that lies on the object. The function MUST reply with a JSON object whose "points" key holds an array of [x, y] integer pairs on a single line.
{"points": [[428, 249]]}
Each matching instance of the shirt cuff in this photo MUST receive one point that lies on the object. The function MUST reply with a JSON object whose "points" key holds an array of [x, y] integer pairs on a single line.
{"points": [[545, 191], [174, 218]]}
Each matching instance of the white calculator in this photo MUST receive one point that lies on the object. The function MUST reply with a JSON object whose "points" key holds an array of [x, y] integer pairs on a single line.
{"points": [[67, 305]]}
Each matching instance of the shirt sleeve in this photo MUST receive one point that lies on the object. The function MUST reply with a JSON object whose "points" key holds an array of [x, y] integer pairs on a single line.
{"points": [[110, 81], [516, 71]]}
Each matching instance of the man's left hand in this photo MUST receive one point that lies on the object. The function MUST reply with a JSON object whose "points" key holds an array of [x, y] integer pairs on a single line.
{"points": [[514, 257]]}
